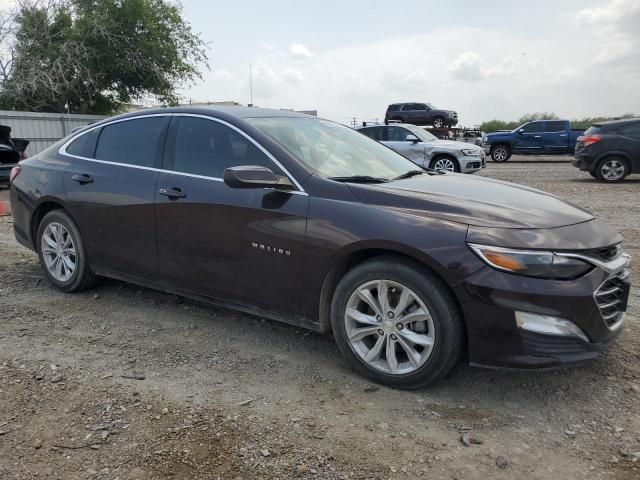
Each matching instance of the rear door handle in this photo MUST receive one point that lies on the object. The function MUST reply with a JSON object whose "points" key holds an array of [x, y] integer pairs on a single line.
{"points": [[82, 179], [172, 193]]}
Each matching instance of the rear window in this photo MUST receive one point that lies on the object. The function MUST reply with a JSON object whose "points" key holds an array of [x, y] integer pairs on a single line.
{"points": [[593, 130], [133, 142], [374, 132], [84, 145]]}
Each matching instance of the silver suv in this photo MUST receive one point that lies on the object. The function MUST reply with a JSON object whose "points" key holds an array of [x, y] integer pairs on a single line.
{"points": [[425, 150]]}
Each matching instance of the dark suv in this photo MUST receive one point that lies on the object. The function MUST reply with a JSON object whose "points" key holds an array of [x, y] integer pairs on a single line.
{"points": [[420, 114], [307, 221], [610, 151]]}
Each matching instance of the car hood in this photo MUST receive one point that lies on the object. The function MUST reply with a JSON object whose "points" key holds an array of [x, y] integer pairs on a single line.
{"points": [[474, 201], [498, 135]]}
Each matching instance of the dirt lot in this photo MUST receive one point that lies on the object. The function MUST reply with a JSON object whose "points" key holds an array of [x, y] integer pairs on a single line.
{"points": [[126, 383]]}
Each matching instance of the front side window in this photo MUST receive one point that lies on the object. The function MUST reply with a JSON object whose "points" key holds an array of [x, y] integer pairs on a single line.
{"points": [[331, 149], [133, 142], [206, 147], [397, 134], [535, 127]]}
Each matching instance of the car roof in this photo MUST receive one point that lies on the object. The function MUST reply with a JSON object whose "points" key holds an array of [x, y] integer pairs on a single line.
{"points": [[222, 110], [622, 121]]}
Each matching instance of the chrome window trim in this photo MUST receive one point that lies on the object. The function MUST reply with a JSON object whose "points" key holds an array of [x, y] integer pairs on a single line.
{"points": [[63, 150]]}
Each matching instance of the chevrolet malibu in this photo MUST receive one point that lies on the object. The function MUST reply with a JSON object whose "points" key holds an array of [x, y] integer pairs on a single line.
{"points": [[306, 221]]}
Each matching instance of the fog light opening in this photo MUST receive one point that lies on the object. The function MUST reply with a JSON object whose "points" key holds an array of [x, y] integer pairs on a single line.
{"points": [[548, 325]]}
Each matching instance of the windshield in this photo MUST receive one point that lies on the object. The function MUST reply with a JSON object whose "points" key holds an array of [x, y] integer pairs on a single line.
{"points": [[333, 150], [421, 133], [430, 106]]}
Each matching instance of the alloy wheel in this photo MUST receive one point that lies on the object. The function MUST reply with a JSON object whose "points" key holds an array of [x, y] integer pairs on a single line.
{"points": [[612, 170], [499, 154], [438, 123], [58, 252], [389, 327], [445, 164]]}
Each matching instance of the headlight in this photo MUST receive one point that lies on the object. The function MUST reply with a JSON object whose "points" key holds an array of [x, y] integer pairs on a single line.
{"points": [[532, 263], [470, 152], [485, 139]]}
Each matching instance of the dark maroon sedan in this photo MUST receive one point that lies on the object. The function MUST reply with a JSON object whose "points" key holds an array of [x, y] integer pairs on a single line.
{"points": [[307, 221]]}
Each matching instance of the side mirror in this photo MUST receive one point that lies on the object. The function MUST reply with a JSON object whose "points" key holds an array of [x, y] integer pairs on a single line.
{"points": [[254, 176], [521, 131], [412, 138]]}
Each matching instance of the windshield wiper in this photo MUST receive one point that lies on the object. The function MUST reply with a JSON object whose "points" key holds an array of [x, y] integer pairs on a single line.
{"points": [[409, 174], [360, 179]]}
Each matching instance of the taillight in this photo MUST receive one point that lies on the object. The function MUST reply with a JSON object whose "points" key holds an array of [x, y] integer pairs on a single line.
{"points": [[15, 171], [589, 140]]}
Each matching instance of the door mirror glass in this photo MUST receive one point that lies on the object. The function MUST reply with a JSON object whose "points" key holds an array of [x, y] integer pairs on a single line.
{"points": [[521, 131], [254, 176], [411, 138]]}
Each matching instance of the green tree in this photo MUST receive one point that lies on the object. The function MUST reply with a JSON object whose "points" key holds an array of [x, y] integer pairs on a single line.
{"points": [[582, 123], [95, 56]]}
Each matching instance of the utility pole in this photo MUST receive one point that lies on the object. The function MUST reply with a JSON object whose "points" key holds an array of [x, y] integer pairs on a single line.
{"points": [[251, 84]]}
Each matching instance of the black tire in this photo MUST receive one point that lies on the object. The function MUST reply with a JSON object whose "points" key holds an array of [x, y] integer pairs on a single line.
{"points": [[438, 122], [500, 153], [612, 169], [593, 174], [446, 317], [454, 161], [82, 277]]}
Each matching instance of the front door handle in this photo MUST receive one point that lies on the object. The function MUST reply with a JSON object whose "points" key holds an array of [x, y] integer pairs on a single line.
{"points": [[82, 179], [172, 193]]}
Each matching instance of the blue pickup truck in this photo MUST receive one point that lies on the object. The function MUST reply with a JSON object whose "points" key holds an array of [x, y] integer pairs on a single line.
{"points": [[541, 137]]}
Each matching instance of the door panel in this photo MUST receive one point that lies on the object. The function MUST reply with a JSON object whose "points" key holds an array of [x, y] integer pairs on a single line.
{"points": [[530, 140], [241, 245], [235, 244], [115, 214], [111, 195]]}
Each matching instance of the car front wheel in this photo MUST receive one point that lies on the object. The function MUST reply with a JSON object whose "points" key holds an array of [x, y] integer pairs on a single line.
{"points": [[62, 254], [500, 153], [447, 164], [396, 323]]}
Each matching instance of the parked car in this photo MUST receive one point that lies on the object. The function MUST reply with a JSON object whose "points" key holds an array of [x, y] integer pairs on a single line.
{"points": [[12, 150], [610, 151], [473, 136], [420, 114], [542, 137], [425, 150], [304, 220]]}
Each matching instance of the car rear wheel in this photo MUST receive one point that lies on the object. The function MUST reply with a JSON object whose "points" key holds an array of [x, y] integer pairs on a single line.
{"points": [[438, 122], [396, 323], [62, 254], [612, 170], [445, 163], [500, 153]]}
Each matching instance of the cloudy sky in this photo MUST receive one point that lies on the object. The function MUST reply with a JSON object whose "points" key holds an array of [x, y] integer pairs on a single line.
{"points": [[492, 59]]}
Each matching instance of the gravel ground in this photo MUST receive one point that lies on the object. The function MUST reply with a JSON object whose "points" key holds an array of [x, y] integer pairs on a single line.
{"points": [[123, 382]]}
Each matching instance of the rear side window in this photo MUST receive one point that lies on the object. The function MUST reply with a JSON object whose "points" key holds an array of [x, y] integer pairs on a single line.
{"points": [[632, 131], [535, 127], [133, 142], [84, 145], [394, 108], [419, 106], [554, 127], [374, 132], [408, 107], [205, 147]]}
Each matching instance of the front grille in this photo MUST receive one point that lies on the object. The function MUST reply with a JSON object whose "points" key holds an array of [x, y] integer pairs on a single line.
{"points": [[604, 254], [611, 299]]}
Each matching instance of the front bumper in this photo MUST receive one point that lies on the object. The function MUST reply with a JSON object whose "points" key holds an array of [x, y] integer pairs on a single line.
{"points": [[472, 163], [490, 299], [5, 172]]}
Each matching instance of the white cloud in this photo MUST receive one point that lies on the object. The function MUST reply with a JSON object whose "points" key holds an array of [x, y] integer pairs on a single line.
{"points": [[506, 73], [297, 50]]}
